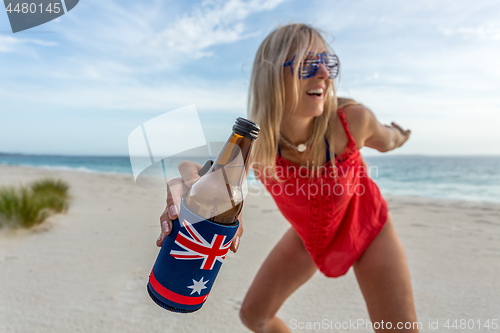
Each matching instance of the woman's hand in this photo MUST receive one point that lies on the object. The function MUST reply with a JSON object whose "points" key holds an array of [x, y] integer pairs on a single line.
{"points": [[175, 190], [403, 134]]}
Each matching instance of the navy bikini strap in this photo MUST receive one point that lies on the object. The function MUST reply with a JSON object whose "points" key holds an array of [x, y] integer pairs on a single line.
{"points": [[327, 150]]}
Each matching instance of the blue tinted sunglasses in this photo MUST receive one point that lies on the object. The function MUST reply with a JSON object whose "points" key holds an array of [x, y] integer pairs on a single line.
{"points": [[309, 66]]}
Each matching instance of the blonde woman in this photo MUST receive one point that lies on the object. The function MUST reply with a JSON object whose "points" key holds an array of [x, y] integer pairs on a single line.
{"points": [[307, 156]]}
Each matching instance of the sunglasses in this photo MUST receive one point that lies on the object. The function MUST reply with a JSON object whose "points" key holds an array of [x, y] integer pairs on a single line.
{"points": [[309, 66]]}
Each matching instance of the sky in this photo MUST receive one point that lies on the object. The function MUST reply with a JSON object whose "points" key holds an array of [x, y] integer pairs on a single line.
{"points": [[79, 85]]}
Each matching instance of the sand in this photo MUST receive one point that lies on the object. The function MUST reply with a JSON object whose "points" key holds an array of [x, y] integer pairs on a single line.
{"points": [[87, 270]]}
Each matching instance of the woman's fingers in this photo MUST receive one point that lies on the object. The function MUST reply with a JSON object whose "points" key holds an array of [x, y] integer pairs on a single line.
{"points": [[166, 228], [175, 191], [177, 187], [397, 126], [236, 240], [189, 172], [406, 132]]}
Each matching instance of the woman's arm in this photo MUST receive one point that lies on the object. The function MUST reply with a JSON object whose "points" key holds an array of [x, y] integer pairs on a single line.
{"points": [[375, 135]]}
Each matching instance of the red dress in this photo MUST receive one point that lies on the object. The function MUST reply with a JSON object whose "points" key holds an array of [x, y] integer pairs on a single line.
{"points": [[336, 217]]}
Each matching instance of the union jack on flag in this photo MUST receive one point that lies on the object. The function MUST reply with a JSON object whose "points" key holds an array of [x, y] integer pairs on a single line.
{"points": [[196, 247]]}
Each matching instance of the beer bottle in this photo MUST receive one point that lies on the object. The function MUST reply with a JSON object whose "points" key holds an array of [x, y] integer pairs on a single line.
{"points": [[192, 255], [218, 195]]}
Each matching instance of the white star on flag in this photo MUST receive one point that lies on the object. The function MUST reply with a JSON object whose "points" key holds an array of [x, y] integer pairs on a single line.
{"points": [[198, 286]]}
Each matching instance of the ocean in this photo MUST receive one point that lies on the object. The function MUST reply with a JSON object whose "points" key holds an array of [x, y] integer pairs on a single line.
{"points": [[474, 178]]}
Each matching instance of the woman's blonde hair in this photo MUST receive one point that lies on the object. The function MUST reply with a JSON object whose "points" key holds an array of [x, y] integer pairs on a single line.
{"points": [[266, 99]]}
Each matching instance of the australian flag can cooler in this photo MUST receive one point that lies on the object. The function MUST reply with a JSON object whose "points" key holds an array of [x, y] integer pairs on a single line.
{"points": [[189, 261]]}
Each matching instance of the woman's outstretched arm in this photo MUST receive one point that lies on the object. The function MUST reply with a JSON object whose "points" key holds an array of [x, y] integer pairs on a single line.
{"points": [[376, 135]]}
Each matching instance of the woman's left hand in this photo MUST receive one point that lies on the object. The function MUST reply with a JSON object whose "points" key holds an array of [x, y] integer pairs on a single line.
{"points": [[236, 240], [404, 134]]}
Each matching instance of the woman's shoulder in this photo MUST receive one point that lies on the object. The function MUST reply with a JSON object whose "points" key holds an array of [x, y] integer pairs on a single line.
{"points": [[356, 112], [357, 117]]}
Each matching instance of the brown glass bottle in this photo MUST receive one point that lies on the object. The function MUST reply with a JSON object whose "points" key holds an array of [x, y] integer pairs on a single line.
{"points": [[218, 195]]}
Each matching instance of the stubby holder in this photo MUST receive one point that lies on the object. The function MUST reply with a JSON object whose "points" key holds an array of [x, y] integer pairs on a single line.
{"points": [[189, 261]]}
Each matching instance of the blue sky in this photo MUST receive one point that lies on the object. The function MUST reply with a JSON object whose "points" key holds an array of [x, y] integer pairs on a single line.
{"points": [[81, 83]]}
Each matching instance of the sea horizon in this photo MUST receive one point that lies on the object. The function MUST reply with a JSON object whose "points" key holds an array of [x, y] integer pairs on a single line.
{"points": [[363, 153], [460, 177]]}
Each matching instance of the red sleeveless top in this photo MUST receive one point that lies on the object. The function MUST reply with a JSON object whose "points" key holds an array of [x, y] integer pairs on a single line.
{"points": [[336, 217]]}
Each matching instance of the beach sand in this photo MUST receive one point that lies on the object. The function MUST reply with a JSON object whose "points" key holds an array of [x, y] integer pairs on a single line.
{"points": [[87, 270]]}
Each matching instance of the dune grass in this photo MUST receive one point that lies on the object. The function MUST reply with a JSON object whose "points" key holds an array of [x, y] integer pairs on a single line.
{"points": [[26, 206]]}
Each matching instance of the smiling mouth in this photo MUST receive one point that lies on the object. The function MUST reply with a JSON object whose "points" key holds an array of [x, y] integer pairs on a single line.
{"points": [[315, 92]]}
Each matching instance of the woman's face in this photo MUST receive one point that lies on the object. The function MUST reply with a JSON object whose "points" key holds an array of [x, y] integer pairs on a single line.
{"points": [[311, 92]]}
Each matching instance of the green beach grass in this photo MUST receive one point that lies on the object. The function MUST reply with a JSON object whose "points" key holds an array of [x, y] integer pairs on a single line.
{"points": [[26, 206]]}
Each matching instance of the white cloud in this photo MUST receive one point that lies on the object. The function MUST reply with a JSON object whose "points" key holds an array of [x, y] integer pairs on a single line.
{"points": [[213, 23], [483, 32], [227, 97], [397, 58], [7, 43], [121, 55], [11, 44], [131, 34], [444, 89]]}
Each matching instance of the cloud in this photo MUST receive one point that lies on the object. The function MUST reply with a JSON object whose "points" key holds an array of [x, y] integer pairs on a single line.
{"points": [[150, 39], [125, 56], [213, 23], [444, 89], [11, 44], [408, 46], [483, 32], [224, 97]]}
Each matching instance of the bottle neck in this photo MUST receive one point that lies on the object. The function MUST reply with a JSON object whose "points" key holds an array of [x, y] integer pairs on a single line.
{"points": [[233, 159]]}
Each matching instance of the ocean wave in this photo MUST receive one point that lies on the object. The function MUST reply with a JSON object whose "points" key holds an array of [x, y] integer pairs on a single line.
{"points": [[66, 168], [462, 178]]}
